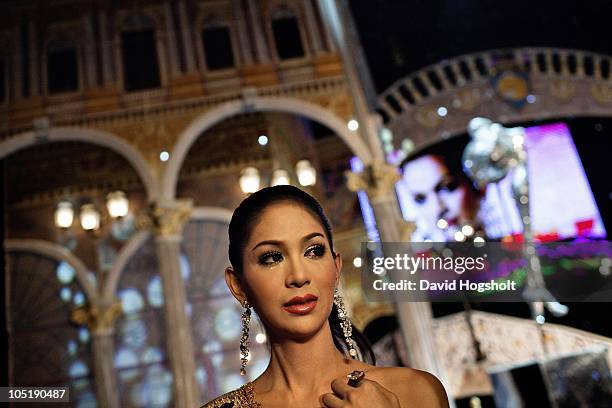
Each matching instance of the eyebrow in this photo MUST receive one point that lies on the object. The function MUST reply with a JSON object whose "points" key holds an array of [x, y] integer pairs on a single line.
{"points": [[274, 242]]}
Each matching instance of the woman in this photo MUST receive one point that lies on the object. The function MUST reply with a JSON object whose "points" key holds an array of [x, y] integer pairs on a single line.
{"points": [[285, 267]]}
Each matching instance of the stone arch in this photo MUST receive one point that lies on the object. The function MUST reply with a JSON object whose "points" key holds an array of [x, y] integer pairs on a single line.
{"points": [[58, 253], [211, 213], [92, 136], [562, 82], [265, 104], [134, 244]]}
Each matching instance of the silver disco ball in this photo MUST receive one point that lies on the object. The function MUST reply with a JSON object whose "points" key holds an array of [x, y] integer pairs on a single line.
{"points": [[492, 152]]}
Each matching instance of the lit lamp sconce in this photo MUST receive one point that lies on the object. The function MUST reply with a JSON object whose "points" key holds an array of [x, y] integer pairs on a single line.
{"points": [[249, 180], [117, 204], [64, 215], [90, 217], [307, 175], [280, 177]]}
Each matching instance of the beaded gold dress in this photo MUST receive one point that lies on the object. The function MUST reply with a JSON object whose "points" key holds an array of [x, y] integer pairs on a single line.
{"points": [[243, 397]]}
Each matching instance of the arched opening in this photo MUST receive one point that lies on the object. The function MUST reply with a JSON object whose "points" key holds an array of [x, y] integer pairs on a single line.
{"points": [[141, 361], [210, 175], [79, 176], [91, 136], [254, 104], [43, 291]]}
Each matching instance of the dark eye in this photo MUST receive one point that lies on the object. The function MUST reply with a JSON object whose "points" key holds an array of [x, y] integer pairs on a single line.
{"points": [[420, 198], [270, 258], [316, 251], [448, 185]]}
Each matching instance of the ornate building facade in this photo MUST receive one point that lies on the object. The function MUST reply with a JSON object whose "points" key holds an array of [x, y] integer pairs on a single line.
{"points": [[166, 101]]}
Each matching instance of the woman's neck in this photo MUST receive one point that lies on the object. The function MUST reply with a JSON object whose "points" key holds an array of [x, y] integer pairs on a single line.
{"points": [[301, 368]]}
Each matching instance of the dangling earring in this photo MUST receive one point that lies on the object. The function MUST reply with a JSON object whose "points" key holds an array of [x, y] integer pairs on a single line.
{"points": [[244, 340], [345, 323]]}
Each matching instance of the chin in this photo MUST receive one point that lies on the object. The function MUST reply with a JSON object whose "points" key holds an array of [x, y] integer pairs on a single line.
{"points": [[304, 328]]}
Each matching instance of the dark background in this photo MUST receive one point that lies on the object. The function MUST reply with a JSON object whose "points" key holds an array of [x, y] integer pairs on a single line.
{"points": [[402, 36]]}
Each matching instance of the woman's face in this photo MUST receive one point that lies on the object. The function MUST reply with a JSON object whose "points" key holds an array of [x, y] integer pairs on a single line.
{"points": [[288, 257], [436, 193]]}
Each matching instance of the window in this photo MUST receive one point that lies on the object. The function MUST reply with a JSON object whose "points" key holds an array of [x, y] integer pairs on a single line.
{"points": [[287, 35], [214, 313], [62, 67], [139, 54], [46, 347], [143, 372], [217, 47]]}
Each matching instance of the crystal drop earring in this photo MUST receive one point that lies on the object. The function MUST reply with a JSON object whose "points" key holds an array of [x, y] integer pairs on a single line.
{"points": [[244, 339], [345, 324]]}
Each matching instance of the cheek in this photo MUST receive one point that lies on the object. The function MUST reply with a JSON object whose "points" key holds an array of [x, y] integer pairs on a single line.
{"points": [[327, 280], [262, 288], [454, 200]]}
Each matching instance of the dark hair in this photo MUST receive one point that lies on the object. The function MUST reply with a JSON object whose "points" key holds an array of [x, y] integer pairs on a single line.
{"points": [[240, 228], [448, 153]]}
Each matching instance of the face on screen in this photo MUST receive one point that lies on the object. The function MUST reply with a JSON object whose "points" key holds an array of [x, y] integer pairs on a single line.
{"points": [[434, 192]]}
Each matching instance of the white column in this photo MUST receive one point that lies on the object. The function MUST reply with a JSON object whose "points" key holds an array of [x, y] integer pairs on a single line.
{"points": [[106, 48], [89, 51], [261, 50], [171, 43], [414, 316], [168, 220], [33, 53], [187, 40], [100, 318], [378, 180], [312, 28]]}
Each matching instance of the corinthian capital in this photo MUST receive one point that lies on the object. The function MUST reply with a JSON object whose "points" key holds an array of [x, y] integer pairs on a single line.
{"points": [[168, 218], [377, 180], [98, 318]]}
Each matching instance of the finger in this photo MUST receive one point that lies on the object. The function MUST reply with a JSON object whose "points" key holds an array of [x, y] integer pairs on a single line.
{"points": [[367, 383], [340, 387], [331, 401]]}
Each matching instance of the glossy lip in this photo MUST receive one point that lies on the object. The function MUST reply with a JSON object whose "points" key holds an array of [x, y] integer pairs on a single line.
{"points": [[301, 305]]}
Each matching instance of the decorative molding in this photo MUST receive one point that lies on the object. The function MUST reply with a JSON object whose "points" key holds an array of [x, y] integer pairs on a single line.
{"points": [[562, 83], [168, 218], [92, 136], [59, 253], [562, 89], [98, 318], [507, 342], [377, 180], [261, 103], [602, 93]]}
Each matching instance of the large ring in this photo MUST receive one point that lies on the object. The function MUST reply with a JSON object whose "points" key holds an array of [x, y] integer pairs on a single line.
{"points": [[355, 378]]}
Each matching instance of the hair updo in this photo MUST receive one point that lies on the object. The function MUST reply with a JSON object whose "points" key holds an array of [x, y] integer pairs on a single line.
{"points": [[240, 228]]}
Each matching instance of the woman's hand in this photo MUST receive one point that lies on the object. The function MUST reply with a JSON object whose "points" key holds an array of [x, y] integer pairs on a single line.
{"points": [[367, 394]]}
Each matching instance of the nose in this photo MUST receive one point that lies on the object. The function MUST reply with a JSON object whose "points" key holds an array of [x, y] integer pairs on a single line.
{"points": [[442, 207], [297, 274]]}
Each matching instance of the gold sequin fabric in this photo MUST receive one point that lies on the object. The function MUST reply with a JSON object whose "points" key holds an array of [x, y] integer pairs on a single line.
{"points": [[243, 397]]}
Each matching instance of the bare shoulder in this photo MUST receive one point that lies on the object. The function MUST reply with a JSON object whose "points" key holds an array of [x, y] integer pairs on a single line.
{"points": [[412, 387]]}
